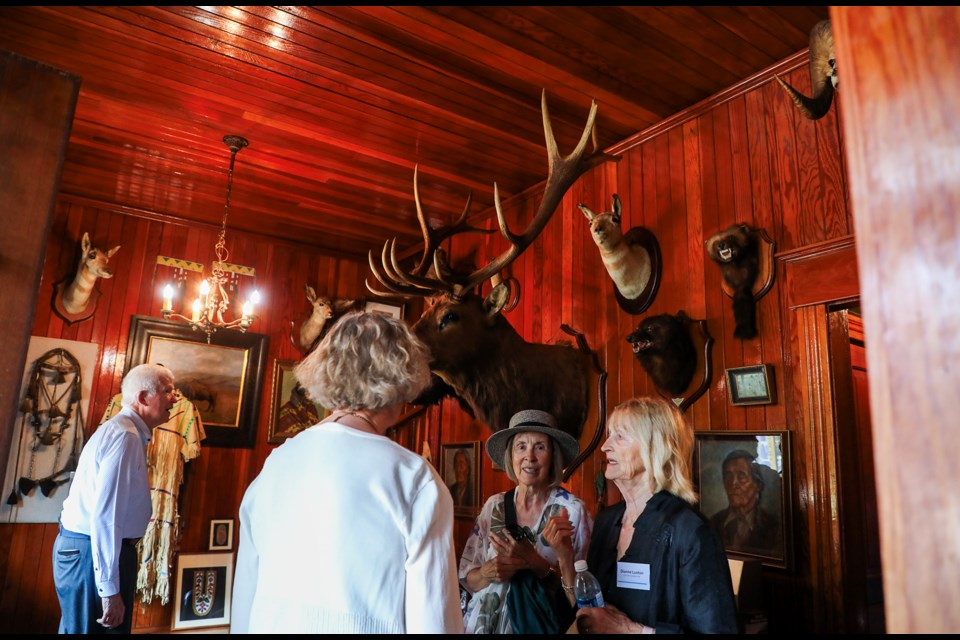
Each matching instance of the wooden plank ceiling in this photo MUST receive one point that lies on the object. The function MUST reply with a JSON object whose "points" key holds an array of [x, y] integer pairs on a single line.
{"points": [[340, 103]]}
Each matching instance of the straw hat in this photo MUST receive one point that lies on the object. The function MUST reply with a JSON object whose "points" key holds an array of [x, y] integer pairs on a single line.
{"points": [[533, 420]]}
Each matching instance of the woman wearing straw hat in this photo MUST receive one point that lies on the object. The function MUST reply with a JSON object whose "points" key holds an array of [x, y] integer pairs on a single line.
{"points": [[533, 452]]}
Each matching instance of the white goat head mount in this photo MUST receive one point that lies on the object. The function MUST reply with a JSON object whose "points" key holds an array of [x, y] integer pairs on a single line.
{"points": [[323, 309], [77, 301], [823, 74], [632, 259]]}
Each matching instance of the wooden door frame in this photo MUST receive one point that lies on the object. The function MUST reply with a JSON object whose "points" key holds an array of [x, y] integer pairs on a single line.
{"points": [[816, 278]]}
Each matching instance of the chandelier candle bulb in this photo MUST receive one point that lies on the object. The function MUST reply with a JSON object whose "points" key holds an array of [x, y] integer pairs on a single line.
{"points": [[197, 305], [168, 298]]}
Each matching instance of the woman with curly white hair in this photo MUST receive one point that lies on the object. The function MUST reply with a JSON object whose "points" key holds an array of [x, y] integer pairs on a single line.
{"points": [[345, 531]]}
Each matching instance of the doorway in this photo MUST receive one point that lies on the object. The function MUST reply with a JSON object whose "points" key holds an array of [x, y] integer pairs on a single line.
{"points": [[863, 583]]}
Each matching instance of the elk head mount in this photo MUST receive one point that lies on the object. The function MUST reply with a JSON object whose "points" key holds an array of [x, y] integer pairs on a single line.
{"points": [[76, 299], [632, 260], [476, 355], [312, 328], [823, 74]]}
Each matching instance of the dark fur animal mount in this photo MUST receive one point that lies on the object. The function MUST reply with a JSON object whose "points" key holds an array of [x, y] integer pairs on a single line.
{"points": [[737, 251], [823, 74], [663, 345]]}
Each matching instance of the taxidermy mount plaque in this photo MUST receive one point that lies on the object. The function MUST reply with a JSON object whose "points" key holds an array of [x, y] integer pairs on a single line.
{"points": [[631, 259]]}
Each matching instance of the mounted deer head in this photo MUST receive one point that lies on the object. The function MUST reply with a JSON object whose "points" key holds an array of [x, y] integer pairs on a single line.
{"points": [[823, 74], [476, 355], [632, 260], [323, 309], [93, 265]]}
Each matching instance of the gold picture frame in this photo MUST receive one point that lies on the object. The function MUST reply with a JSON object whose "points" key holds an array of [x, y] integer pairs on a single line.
{"points": [[291, 409], [204, 589], [466, 493], [728, 467]]}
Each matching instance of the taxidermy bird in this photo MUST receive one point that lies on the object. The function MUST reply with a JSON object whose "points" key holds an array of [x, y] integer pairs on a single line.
{"points": [[737, 252], [823, 74]]}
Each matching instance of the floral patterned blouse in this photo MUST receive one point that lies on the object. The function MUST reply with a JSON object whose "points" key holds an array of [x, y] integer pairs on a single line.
{"points": [[486, 611]]}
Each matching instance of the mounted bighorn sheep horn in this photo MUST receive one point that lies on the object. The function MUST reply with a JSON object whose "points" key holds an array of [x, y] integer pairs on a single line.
{"points": [[78, 300], [632, 260], [823, 74]]}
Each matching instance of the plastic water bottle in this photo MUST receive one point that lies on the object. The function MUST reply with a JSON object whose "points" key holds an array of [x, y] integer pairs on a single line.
{"points": [[586, 588]]}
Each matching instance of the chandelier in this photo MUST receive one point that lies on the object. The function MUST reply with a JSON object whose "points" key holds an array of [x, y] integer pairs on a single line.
{"points": [[212, 302]]}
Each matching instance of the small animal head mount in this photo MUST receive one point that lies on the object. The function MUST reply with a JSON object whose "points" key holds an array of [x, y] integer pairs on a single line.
{"points": [[745, 257], [632, 260], [823, 74], [665, 350], [323, 309], [93, 264]]}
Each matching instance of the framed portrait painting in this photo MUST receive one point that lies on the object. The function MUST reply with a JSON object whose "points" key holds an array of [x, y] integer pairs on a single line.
{"points": [[222, 378], [221, 535], [460, 469], [204, 588], [291, 409], [743, 478]]}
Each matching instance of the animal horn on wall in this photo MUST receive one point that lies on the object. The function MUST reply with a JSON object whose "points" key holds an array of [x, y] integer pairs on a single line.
{"points": [[563, 171], [823, 74]]}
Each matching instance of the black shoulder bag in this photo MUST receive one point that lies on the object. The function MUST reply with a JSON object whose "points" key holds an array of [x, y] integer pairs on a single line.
{"points": [[534, 605]]}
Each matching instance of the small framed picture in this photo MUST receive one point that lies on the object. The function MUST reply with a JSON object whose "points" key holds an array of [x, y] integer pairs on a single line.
{"points": [[204, 586], [743, 478], [751, 385], [291, 409], [387, 308], [221, 535], [460, 469]]}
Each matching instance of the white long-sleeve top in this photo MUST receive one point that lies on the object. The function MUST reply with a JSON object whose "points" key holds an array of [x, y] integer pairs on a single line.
{"points": [[346, 532], [109, 498]]}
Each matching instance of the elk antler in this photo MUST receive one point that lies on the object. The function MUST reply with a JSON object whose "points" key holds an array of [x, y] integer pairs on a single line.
{"points": [[563, 171]]}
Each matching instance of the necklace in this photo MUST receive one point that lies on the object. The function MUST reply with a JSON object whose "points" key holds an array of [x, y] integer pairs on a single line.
{"points": [[360, 416]]}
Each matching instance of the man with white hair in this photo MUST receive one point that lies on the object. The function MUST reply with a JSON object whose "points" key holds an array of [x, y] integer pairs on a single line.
{"points": [[108, 509]]}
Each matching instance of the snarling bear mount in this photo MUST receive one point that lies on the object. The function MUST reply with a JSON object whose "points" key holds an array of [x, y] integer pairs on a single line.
{"points": [[476, 355], [737, 251], [665, 350]]}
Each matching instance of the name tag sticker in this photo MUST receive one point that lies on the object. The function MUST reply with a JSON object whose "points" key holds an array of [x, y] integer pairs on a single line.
{"points": [[633, 575]]}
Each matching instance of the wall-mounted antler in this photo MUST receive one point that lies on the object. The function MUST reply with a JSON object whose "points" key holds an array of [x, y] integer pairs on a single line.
{"points": [[823, 74], [563, 171], [475, 354]]}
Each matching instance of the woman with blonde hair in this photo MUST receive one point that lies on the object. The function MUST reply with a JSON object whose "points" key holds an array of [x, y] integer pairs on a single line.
{"points": [[660, 565], [345, 531]]}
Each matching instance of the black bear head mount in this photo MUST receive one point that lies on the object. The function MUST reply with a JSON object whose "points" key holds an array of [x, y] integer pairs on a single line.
{"points": [[666, 352]]}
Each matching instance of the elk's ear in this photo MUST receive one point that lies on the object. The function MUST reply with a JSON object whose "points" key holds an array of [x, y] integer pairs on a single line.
{"points": [[586, 211], [112, 251], [496, 300]]}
